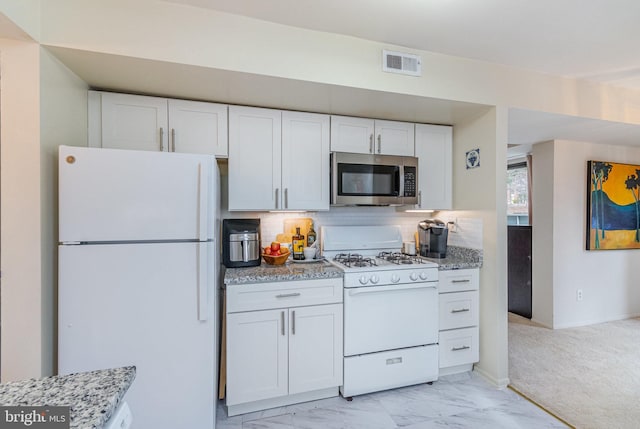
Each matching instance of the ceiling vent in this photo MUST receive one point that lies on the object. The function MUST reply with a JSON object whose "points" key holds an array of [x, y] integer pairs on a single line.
{"points": [[398, 62]]}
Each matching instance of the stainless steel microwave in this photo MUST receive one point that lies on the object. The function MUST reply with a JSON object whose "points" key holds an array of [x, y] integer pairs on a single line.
{"points": [[373, 180]]}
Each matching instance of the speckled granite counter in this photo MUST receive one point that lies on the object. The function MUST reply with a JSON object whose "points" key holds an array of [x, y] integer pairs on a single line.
{"points": [[459, 258], [277, 273], [93, 396]]}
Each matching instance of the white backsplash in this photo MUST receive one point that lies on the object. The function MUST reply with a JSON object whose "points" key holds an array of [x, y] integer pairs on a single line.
{"points": [[468, 230]]}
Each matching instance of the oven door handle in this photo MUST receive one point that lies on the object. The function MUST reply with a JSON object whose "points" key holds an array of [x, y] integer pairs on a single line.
{"points": [[391, 288]]}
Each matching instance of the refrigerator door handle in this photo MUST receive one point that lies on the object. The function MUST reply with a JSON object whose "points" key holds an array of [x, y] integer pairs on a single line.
{"points": [[203, 203], [203, 283]]}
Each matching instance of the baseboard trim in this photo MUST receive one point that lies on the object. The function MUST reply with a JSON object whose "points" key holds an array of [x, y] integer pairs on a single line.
{"points": [[500, 383], [595, 321]]}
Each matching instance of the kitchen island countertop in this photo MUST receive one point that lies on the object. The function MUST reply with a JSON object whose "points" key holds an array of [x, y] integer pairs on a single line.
{"points": [[93, 396], [275, 273], [459, 258]]}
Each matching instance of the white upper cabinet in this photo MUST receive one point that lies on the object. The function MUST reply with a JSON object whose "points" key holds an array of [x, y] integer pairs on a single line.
{"points": [[134, 122], [278, 160], [434, 146], [362, 135], [305, 161], [125, 121], [255, 168], [198, 127]]}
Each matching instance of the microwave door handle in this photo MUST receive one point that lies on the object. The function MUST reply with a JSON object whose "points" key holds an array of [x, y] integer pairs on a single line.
{"points": [[334, 178], [401, 193]]}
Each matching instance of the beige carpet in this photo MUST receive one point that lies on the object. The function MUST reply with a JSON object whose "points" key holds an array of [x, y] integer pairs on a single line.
{"points": [[588, 376]]}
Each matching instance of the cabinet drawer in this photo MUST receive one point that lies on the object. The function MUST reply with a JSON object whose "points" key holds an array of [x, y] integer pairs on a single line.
{"points": [[458, 309], [458, 280], [386, 370], [459, 347], [263, 296]]}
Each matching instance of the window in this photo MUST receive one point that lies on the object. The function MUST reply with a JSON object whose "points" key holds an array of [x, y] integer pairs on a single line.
{"points": [[517, 194]]}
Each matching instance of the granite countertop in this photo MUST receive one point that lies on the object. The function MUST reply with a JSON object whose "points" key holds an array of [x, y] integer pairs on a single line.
{"points": [[459, 258], [93, 396], [287, 272]]}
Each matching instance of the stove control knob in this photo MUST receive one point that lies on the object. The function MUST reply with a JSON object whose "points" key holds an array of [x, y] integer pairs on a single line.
{"points": [[363, 280], [395, 278], [413, 277], [374, 279], [424, 275]]}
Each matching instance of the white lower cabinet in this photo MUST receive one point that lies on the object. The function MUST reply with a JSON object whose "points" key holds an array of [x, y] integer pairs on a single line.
{"points": [[459, 318], [280, 356]]}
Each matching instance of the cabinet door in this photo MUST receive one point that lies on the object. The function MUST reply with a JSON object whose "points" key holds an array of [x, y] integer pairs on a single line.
{"points": [[197, 127], [257, 358], [433, 150], [254, 159], [134, 122], [394, 138], [315, 347], [305, 161], [353, 135]]}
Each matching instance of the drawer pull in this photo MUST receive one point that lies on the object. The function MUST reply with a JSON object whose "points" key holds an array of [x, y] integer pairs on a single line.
{"points": [[460, 281], [457, 349], [288, 295], [460, 310], [394, 361]]}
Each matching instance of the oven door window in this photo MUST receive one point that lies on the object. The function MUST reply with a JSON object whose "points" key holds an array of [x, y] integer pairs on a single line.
{"points": [[368, 180]]}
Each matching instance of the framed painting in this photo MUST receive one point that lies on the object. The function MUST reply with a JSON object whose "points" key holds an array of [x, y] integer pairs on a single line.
{"points": [[613, 207]]}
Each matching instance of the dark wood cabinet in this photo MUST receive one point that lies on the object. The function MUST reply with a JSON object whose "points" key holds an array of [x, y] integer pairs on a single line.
{"points": [[519, 269]]}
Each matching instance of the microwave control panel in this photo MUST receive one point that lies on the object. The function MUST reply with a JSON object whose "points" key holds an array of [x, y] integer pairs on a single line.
{"points": [[409, 181]]}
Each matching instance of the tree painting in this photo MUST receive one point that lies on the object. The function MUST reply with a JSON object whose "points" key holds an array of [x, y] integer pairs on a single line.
{"points": [[613, 206], [633, 184], [599, 175]]}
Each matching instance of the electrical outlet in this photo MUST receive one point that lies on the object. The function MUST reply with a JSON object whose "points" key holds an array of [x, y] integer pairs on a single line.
{"points": [[579, 295], [453, 226]]}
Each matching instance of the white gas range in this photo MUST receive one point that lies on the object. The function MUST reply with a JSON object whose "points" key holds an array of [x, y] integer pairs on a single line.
{"points": [[390, 309]]}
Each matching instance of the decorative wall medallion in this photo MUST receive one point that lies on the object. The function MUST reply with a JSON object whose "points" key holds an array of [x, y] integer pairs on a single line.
{"points": [[473, 158]]}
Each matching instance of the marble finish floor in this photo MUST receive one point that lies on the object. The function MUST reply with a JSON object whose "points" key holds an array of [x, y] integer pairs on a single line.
{"points": [[456, 401]]}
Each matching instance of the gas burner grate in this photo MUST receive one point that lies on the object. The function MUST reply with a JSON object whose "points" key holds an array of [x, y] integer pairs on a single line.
{"points": [[400, 258], [354, 260]]}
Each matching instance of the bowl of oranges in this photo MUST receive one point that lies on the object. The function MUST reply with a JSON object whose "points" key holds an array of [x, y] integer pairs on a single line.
{"points": [[275, 254]]}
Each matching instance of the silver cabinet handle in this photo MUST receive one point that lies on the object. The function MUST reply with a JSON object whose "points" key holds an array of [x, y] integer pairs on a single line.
{"points": [[277, 189], [370, 143], [379, 143], [460, 281], [288, 295], [286, 198], [460, 310], [457, 349], [293, 322], [173, 139], [161, 139], [420, 199], [282, 323]]}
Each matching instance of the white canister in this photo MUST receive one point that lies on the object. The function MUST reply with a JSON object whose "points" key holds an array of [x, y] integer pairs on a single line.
{"points": [[409, 247]]}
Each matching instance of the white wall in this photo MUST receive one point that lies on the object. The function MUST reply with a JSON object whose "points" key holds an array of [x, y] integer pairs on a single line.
{"points": [[542, 248], [607, 278], [21, 337], [480, 192], [63, 120], [174, 33]]}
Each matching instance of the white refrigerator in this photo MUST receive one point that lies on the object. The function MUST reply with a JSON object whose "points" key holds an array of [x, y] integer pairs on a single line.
{"points": [[138, 277]]}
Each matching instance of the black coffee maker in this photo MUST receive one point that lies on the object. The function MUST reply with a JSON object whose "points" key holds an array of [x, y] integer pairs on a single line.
{"points": [[433, 234]]}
